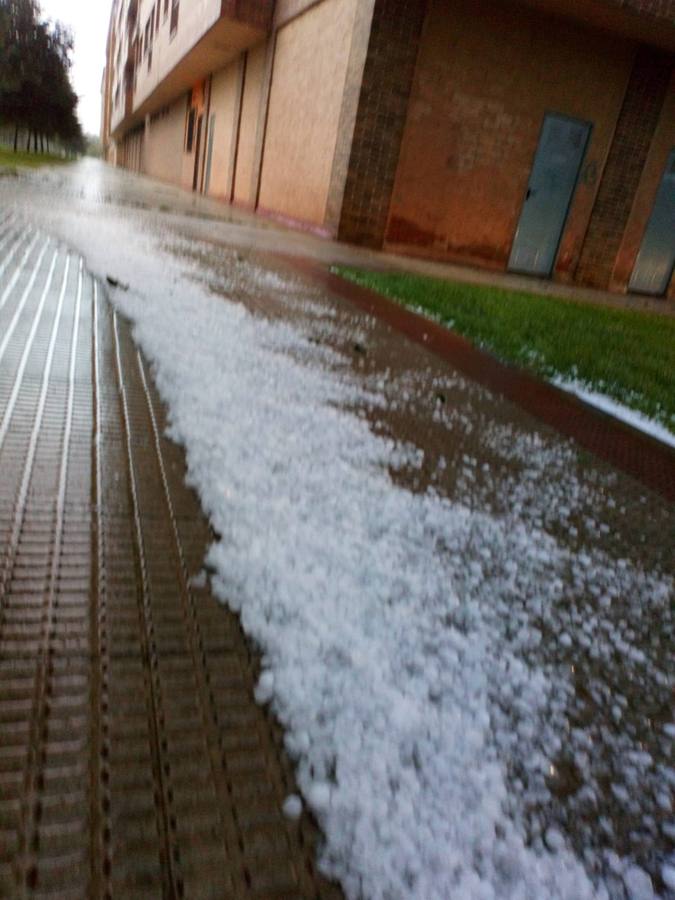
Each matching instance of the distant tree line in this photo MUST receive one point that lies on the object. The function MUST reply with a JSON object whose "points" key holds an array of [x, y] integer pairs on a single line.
{"points": [[37, 100]]}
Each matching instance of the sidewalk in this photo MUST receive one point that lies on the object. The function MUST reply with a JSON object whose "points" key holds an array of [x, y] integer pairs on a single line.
{"points": [[212, 220], [134, 760], [640, 456]]}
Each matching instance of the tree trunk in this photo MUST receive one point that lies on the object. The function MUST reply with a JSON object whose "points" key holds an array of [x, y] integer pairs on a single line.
{"points": [[16, 137], [35, 143], [28, 142], [42, 143]]}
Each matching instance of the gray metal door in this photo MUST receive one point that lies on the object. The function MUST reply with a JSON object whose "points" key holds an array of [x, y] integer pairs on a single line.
{"points": [[561, 149], [654, 265]]}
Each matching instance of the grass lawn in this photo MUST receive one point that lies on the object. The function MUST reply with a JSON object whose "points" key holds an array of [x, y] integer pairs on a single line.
{"points": [[627, 355], [10, 159]]}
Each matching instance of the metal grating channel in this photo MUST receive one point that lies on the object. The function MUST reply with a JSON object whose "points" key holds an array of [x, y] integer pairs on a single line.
{"points": [[133, 758]]}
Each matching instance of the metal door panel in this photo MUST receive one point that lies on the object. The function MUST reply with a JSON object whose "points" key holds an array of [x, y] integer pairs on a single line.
{"points": [[655, 261], [561, 149]]}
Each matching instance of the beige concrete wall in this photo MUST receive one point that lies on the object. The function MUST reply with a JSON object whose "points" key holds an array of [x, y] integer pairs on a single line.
{"points": [[208, 35], [310, 67], [250, 111], [195, 18], [223, 114], [130, 151], [163, 152], [285, 10]]}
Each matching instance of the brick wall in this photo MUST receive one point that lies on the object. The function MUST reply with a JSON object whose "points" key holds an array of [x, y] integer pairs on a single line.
{"points": [[487, 74], [380, 120], [643, 206], [635, 128]]}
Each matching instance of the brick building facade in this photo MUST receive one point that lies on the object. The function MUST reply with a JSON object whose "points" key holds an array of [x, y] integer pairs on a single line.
{"points": [[531, 135]]}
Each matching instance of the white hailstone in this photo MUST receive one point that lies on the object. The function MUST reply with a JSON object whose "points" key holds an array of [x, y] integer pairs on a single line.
{"points": [[292, 807], [638, 884], [554, 840], [265, 689], [319, 796]]}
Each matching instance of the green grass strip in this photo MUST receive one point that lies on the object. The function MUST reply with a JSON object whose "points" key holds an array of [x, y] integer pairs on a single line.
{"points": [[24, 160], [628, 355]]}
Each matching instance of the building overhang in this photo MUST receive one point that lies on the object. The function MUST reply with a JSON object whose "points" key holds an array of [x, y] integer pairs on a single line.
{"points": [[221, 44], [630, 19]]}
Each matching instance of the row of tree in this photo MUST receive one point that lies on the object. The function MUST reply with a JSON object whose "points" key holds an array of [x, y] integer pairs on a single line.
{"points": [[36, 97]]}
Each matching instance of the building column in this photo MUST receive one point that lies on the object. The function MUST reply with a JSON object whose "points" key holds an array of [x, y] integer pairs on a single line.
{"points": [[380, 120], [639, 116]]}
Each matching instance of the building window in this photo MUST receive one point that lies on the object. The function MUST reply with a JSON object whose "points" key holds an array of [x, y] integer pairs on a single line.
{"points": [[174, 16], [190, 131]]}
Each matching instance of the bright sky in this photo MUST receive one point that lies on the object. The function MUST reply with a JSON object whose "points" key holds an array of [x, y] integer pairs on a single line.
{"points": [[88, 20]]}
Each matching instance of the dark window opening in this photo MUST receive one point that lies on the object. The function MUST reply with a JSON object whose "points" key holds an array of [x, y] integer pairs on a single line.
{"points": [[190, 136]]}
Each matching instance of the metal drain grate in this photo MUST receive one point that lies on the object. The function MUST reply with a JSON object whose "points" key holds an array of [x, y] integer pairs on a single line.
{"points": [[133, 758]]}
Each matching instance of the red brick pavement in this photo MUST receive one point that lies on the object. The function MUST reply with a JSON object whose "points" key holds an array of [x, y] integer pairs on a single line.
{"points": [[635, 453]]}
